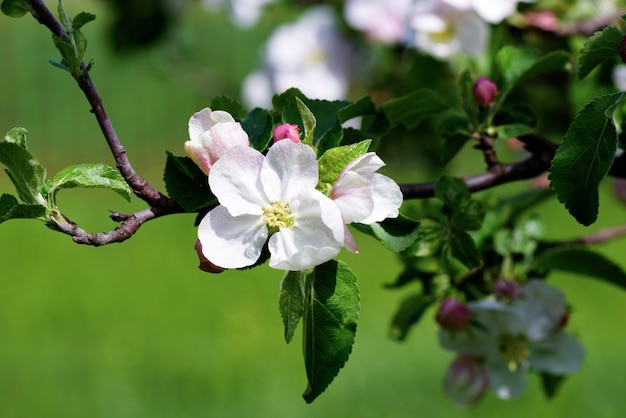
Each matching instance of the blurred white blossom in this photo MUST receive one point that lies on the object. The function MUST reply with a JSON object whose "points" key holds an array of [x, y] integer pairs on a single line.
{"points": [[310, 54], [381, 20], [244, 13]]}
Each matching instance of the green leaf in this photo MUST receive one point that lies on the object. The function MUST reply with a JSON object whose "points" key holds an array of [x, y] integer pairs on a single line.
{"points": [[258, 126], [582, 261], [464, 249], [186, 184], [229, 105], [396, 234], [23, 169], [455, 131], [82, 19], [335, 159], [91, 176], [468, 215], [330, 320], [291, 301], [408, 314], [601, 46], [412, 109], [584, 158], [308, 120], [431, 236], [518, 64], [513, 130], [551, 383], [466, 89], [10, 208], [14, 8], [64, 19]]}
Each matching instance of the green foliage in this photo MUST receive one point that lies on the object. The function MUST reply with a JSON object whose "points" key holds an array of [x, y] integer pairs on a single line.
{"points": [[258, 125], [455, 129], [24, 170], [551, 383], [90, 176], [14, 8], [291, 301], [414, 108], [411, 310], [10, 208], [330, 319], [396, 234], [517, 64], [308, 121], [187, 184], [72, 44], [584, 158], [229, 105], [335, 159], [601, 46]]}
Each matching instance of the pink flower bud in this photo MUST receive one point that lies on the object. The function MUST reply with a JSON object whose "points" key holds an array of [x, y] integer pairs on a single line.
{"points": [[466, 381], [453, 315], [205, 264], [287, 131], [505, 289], [485, 91]]}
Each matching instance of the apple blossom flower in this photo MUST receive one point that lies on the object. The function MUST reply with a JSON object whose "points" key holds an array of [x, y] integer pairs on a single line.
{"points": [[466, 381], [244, 13], [211, 134], [492, 11], [310, 54], [453, 315], [526, 334], [287, 131], [484, 91], [270, 197], [506, 290], [365, 196], [381, 20]]}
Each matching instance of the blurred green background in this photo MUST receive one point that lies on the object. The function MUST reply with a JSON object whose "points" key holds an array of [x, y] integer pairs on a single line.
{"points": [[136, 330]]}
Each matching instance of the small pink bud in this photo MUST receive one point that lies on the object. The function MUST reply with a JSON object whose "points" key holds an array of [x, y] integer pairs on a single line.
{"points": [[466, 381], [453, 315], [485, 91], [622, 49], [505, 289], [287, 131], [205, 264]]}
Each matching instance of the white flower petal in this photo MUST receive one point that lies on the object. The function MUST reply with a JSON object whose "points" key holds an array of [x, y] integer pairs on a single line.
{"points": [[231, 242], [544, 307], [288, 169], [349, 242], [224, 136], [354, 195], [234, 181], [199, 122], [387, 198], [559, 354], [364, 164], [505, 383]]}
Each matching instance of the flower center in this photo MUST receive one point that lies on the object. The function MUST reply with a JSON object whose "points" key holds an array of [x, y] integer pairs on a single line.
{"points": [[514, 350], [277, 215]]}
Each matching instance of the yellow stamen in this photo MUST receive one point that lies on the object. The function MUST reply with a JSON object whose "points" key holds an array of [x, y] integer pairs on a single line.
{"points": [[277, 215]]}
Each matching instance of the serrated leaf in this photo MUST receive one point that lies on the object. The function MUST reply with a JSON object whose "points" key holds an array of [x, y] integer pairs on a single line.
{"points": [[582, 261], [584, 158], [412, 109], [26, 173], [463, 248], [333, 161], [91, 176], [468, 215], [258, 126], [14, 8], [431, 236], [601, 46], [186, 184], [330, 321], [10, 208], [308, 120], [291, 301], [451, 190], [229, 105], [82, 19], [408, 314], [396, 234]]}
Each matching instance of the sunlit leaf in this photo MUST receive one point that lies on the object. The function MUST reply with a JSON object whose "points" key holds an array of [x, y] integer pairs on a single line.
{"points": [[291, 301], [601, 46]]}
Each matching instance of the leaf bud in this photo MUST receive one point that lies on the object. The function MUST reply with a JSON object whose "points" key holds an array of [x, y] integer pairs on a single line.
{"points": [[453, 315], [484, 91]]}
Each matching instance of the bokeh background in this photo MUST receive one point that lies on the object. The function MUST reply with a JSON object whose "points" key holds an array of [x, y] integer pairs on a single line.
{"points": [[136, 330]]}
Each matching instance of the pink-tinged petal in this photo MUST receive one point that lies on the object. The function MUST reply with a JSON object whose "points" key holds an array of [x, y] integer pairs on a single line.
{"points": [[199, 155], [231, 242], [224, 136], [288, 169], [349, 242], [199, 122], [466, 381], [506, 383], [387, 198], [353, 194], [234, 181], [558, 354]]}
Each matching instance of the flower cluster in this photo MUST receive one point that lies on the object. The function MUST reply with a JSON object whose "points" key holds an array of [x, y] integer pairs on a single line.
{"points": [[499, 341], [271, 201]]}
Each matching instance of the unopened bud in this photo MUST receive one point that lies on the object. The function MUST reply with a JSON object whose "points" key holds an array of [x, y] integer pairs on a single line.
{"points": [[466, 381], [205, 264], [484, 91], [505, 289], [453, 315], [287, 131], [622, 49]]}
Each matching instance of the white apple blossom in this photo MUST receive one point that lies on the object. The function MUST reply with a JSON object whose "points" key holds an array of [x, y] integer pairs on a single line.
{"points": [[310, 54], [382, 20], [271, 197], [365, 196], [510, 339], [211, 134], [492, 11], [244, 13]]}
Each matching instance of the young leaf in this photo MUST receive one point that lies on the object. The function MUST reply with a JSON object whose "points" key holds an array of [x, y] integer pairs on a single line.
{"points": [[23, 169], [14, 8], [584, 158], [464, 249], [82, 19], [582, 261], [187, 184], [258, 126], [308, 120], [408, 314], [64, 19], [10, 208], [412, 109], [291, 301], [91, 176], [396, 234], [601, 46], [335, 159], [431, 236], [330, 320]]}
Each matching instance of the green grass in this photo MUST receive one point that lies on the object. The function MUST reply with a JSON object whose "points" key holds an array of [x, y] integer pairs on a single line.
{"points": [[136, 330]]}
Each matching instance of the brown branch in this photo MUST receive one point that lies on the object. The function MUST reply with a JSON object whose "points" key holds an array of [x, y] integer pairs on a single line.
{"points": [[597, 237]]}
